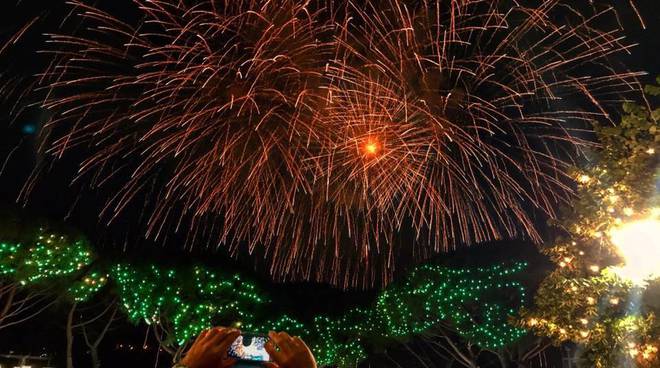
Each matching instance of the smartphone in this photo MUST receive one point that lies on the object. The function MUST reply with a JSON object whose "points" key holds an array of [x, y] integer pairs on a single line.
{"points": [[249, 348]]}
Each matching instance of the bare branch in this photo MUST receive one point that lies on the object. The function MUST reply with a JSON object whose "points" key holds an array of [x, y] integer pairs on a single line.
{"points": [[18, 306], [110, 305]]}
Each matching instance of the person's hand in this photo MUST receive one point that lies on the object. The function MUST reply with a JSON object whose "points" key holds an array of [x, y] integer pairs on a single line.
{"points": [[210, 349], [288, 352]]}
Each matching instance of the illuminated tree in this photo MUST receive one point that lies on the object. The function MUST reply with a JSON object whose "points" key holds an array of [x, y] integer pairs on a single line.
{"points": [[587, 299], [180, 303], [47, 268], [31, 274], [17, 304], [473, 304]]}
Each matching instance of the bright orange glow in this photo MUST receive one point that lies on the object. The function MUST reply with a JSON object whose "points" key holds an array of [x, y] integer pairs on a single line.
{"points": [[371, 148]]}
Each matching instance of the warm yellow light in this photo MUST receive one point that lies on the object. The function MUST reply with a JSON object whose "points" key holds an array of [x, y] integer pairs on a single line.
{"points": [[638, 243], [584, 179], [614, 301], [594, 268], [649, 351], [371, 148]]}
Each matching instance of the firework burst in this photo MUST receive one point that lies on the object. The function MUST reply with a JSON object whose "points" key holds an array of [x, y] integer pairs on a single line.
{"points": [[320, 133]]}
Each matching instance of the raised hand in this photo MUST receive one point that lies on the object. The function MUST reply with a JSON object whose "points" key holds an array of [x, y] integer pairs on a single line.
{"points": [[288, 352], [210, 349]]}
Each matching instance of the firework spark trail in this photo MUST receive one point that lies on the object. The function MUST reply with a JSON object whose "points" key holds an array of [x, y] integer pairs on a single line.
{"points": [[17, 36], [637, 13], [14, 88], [322, 133]]}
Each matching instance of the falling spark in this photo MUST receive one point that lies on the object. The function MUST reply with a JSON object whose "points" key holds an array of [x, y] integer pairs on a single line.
{"points": [[639, 16], [321, 134]]}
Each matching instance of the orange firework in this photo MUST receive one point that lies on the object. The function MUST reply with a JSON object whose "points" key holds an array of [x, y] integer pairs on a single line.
{"points": [[331, 136]]}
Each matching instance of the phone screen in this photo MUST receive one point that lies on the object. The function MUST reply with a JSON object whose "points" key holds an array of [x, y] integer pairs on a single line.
{"points": [[250, 348]]}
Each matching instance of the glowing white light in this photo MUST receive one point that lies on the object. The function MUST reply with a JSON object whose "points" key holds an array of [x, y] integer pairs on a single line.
{"points": [[639, 244]]}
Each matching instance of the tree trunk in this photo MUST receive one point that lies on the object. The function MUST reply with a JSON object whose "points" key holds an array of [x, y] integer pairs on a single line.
{"points": [[179, 353], [94, 352], [94, 346], [503, 362], [69, 337], [8, 302]]}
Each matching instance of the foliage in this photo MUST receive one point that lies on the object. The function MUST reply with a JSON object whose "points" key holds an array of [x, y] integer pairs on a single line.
{"points": [[191, 299], [476, 302], [584, 300], [472, 301], [468, 299], [49, 258]]}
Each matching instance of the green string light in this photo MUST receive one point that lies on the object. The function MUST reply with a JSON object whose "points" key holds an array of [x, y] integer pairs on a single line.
{"points": [[191, 300], [83, 290], [470, 299], [54, 256], [8, 258], [194, 298]]}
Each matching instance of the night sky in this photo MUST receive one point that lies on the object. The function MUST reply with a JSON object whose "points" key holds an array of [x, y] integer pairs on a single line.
{"points": [[55, 198]]}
